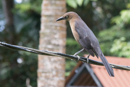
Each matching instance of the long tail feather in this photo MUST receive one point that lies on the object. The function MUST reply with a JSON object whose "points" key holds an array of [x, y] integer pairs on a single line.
{"points": [[106, 64]]}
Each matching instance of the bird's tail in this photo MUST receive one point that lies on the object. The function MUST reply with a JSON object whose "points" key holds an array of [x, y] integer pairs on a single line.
{"points": [[106, 64]]}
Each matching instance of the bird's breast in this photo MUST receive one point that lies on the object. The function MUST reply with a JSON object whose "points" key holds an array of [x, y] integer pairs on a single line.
{"points": [[73, 29]]}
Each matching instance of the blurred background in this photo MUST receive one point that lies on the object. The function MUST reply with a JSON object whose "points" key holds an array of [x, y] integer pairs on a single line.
{"points": [[20, 24]]}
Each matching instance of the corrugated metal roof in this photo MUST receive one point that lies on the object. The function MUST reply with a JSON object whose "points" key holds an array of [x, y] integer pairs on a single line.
{"points": [[83, 79], [122, 77]]}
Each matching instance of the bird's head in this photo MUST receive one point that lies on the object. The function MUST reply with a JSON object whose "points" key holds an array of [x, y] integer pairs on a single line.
{"points": [[68, 16]]}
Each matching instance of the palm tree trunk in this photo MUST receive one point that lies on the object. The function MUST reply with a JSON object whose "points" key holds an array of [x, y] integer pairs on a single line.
{"points": [[51, 70]]}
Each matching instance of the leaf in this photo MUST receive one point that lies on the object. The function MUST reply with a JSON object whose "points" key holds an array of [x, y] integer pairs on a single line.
{"points": [[22, 25], [80, 2], [72, 3], [86, 2], [128, 5]]}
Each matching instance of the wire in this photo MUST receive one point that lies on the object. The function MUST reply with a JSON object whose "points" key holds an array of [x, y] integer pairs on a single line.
{"points": [[50, 53]]}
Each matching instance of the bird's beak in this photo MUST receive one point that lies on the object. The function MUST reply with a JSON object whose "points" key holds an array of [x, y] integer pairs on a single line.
{"points": [[61, 18]]}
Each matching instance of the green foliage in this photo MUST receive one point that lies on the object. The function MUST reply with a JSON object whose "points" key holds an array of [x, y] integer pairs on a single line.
{"points": [[29, 6], [117, 36], [27, 25], [72, 3], [121, 47], [123, 19], [73, 45], [23, 7], [80, 2], [70, 64], [76, 3]]}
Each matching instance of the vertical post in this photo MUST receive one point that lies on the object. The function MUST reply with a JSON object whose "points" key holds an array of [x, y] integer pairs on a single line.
{"points": [[51, 70]]}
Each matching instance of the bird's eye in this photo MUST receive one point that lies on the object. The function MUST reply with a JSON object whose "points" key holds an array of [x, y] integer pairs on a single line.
{"points": [[67, 16]]}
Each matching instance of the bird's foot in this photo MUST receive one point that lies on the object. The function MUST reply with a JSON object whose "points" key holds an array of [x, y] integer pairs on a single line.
{"points": [[76, 56], [88, 58]]}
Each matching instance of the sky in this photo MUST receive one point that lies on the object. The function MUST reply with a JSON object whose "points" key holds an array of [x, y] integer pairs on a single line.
{"points": [[18, 1]]}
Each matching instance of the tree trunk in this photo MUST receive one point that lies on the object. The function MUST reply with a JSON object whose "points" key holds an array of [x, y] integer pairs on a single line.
{"points": [[7, 7], [51, 70]]}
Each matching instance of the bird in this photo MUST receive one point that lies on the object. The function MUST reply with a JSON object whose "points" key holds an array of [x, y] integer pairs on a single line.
{"points": [[86, 38]]}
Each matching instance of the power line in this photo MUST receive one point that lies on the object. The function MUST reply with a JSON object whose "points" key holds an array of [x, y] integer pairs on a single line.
{"points": [[50, 53]]}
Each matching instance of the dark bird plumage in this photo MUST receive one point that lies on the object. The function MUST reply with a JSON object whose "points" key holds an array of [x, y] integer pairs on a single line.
{"points": [[85, 37]]}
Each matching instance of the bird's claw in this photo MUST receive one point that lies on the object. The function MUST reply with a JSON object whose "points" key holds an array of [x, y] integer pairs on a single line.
{"points": [[78, 58], [88, 58]]}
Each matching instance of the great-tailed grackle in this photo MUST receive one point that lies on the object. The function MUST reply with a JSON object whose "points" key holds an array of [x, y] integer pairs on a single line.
{"points": [[85, 37]]}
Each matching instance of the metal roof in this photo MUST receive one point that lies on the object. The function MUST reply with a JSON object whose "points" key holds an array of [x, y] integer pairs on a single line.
{"points": [[121, 79], [83, 76]]}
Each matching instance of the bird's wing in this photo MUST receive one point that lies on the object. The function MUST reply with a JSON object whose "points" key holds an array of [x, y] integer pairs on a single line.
{"points": [[85, 38], [85, 43]]}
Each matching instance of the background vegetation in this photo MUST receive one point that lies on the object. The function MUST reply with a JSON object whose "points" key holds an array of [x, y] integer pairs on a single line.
{"points": [[109, 20]]}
